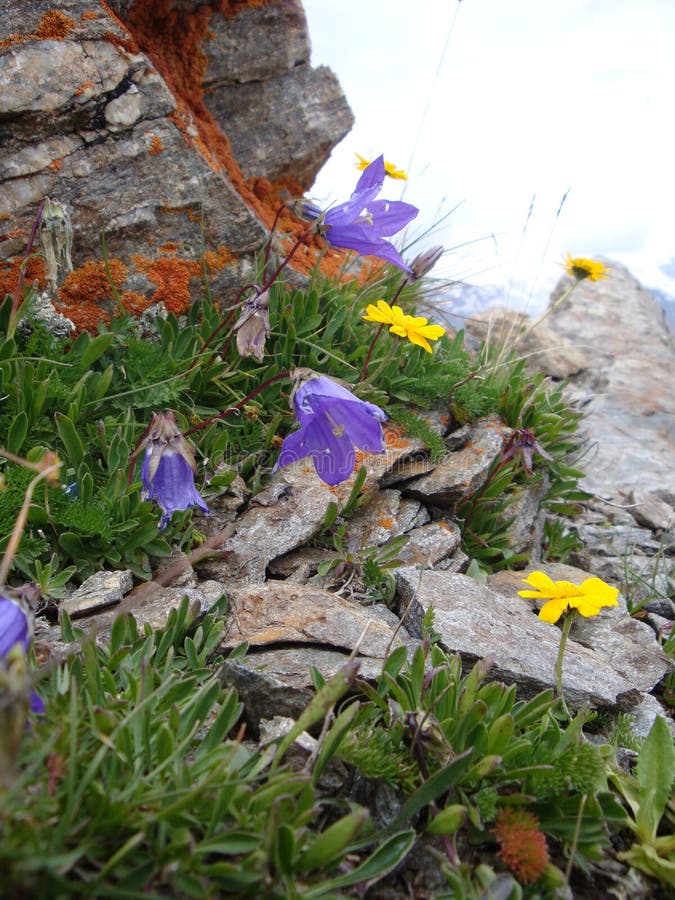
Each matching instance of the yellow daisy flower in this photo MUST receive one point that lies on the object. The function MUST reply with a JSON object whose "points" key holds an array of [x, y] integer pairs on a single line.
{"points": [[414, 328], [588, 597], [389, 168], [580, 268]]}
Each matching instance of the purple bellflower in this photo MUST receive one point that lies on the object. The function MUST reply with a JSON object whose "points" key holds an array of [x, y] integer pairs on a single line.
{"points": [[523, 443], [362, 223], [168, 468], [15, 628], [332, 422]]}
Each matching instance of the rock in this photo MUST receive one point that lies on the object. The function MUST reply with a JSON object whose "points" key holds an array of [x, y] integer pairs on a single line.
{"points": [[651, 511], [478, 621], [99, 591], [259, 74], [430, 544], [525, 530], [541, 345], [627, 388], [280, 612], [291, 510], [460, 474], [105, 115], [156, 605], [278, 682]]}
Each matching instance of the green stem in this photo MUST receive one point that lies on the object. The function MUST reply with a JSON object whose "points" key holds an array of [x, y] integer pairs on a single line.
{"points": [[570, 616]]}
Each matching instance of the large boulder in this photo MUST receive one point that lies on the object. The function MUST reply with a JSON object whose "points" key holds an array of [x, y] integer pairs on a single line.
{"points": [[104, 112]]}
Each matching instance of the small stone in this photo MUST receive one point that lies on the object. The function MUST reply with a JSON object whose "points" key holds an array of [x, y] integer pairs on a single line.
{"points": [[99, 591]]}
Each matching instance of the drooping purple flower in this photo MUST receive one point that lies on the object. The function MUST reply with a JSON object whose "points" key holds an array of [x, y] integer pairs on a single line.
{"points": [[524, 443], [253, 326], [332, 422], [362, 223], [15, 628], [168, 468]]}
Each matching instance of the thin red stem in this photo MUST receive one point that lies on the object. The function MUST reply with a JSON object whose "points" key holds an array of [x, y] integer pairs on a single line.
{"points": [[238, 406]]}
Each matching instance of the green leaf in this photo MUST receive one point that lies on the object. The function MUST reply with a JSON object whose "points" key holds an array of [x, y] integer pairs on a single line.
{"points": [[655, 772], [448, 820], [70, 438], [317, 708], [382, 861], [17, 433], [329, 846], [96, 348]]}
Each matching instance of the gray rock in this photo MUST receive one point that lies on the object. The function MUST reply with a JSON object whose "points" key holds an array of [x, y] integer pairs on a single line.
{"points": [[99, 591], [278, 682], [431, 544], [651, 511], [259, 74], [460, 474], [290, 511], [627, 388], [477, 622], [280, 612], [542, 346]]}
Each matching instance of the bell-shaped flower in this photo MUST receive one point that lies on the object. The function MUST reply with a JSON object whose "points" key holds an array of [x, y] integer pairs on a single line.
{"points": [[15, 629], [168, 471], [253, 326], [332, 423], [363, 223]]}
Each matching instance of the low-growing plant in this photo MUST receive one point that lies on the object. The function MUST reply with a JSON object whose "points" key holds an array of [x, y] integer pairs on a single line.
{"points": [[136, 782]]}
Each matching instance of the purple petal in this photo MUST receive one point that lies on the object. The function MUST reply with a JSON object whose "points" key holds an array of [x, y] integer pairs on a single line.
{"points": [[367, 244], [36, 704], [292, 449], [173, 485], [332, 453], [318, 395], [367, 188], [390, 216], [13, 626], [372, 177], [361, 427]]}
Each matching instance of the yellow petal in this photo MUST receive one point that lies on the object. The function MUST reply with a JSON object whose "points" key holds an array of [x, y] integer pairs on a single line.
{"points": [[542, 583], [551, 611], [416, 338]]}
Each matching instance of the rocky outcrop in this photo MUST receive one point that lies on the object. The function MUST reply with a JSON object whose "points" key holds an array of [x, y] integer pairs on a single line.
{"points": [[626, 388], [127, 119]]}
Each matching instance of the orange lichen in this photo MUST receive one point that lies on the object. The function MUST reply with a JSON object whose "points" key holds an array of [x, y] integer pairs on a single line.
{"points": [[54, 26], [85, 86], [134, 302], [386, 522], [169, 247], [10, 273], [156, 146], [86, 295], [86, 16], [172, 277], [218, 259], [394, 437], [14, 233], [55, 165]]}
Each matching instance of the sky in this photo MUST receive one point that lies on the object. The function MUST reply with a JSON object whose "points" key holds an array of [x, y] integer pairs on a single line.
{"points": [[489, 104]]}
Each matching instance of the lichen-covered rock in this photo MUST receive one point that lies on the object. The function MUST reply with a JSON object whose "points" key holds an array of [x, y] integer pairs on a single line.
{"points": [[106, 115]]}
